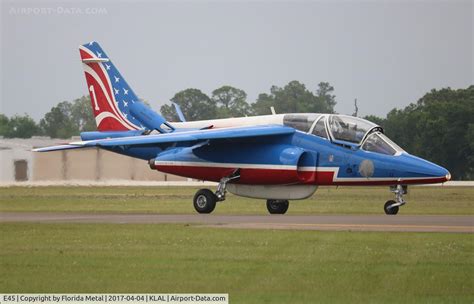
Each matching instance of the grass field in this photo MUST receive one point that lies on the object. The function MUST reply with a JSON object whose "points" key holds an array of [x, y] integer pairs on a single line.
{"points": [[253, 266], [172, 200]]}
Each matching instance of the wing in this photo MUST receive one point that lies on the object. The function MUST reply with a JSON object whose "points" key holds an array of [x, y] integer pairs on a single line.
{"points": [[175, 137]]}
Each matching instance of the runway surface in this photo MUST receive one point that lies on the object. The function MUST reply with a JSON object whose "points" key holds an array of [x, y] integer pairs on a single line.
{"points": [[416, 223]]}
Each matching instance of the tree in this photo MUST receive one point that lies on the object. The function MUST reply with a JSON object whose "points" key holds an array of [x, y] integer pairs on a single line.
{"points": [[69, 119], [195, 105], [82, 115], [325, 100], [3, 124], [231, 102], [442, 120], [375, 119], [438, 127], [58, 123], [169, 113], [295, 97], [263, 104], [292, 98], [470, 140], [19, 126]]}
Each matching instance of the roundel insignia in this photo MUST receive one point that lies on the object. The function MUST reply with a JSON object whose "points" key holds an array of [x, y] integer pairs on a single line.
{"points": [[366, 168]]}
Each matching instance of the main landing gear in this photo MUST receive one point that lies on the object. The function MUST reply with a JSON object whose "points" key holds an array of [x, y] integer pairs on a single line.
{"points": [[277, 206], [205, 200], [391, 207]]}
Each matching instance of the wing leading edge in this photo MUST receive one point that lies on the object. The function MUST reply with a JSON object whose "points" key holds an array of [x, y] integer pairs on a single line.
{"points": [[189, 136]]}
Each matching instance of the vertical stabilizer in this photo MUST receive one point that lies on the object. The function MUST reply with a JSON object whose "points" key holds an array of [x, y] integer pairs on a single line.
{"points": [[116, 107]]}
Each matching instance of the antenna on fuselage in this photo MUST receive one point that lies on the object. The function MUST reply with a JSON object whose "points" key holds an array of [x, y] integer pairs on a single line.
{"points": [[273, 110], [179, 112]]}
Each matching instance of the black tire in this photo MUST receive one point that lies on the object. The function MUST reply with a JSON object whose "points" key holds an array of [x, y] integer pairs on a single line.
{"points": [[277, 206], [390, 211], [204, 201]]}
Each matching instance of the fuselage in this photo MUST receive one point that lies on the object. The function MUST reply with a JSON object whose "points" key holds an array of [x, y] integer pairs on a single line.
{"points": [[275, 157], [307, 157]]}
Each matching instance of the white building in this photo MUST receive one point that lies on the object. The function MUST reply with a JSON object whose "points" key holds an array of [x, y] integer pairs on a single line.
{"points": [[18, 163]]}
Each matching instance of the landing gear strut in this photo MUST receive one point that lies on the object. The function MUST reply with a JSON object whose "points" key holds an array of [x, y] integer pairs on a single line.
{"points": [[205, 200], [391, 207]]}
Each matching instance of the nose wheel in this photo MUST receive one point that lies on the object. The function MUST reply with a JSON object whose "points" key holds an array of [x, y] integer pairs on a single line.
{"points": [[391, 207]]}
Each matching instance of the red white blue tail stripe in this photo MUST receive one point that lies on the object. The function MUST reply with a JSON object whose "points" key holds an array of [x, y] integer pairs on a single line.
{"points": [[110, 94]]}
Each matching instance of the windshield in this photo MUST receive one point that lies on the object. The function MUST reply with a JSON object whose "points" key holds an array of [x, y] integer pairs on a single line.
{"points": [[379, 143], [348, 128], [390, 142], [320, 129]]}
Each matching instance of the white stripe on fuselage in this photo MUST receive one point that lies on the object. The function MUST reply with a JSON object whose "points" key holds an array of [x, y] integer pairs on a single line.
{"points": [[223, 165]]}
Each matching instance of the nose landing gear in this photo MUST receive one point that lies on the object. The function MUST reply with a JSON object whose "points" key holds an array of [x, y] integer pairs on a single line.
{"points": [[391, 207]]}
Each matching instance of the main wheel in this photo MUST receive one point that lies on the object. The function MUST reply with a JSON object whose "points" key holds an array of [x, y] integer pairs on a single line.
{"points": [[392, 210], [204, 201], [277, 206]]}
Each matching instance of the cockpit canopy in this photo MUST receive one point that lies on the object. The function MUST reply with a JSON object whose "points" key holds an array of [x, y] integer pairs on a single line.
{"points": [[342, 128], [302, 122], [348, 128]]}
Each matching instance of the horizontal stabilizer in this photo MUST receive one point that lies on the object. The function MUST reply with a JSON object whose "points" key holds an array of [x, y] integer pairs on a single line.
{"points": [[92, 60], [57, 148]]}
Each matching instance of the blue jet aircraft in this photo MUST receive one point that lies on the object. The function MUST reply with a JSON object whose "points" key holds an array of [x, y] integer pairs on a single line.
{"points": [[274, 157]]}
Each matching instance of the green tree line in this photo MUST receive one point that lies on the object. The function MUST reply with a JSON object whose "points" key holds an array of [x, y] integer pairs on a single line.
{"points": [[64, 120], [228, 101], [438, 127], [68, 119]]}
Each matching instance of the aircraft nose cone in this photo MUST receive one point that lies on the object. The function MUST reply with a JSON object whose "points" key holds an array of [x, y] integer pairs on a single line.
{"points": [[418, 167]]}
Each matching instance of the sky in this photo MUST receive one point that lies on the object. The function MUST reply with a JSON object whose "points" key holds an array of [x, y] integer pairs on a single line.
{"points": [[386, 54]]}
